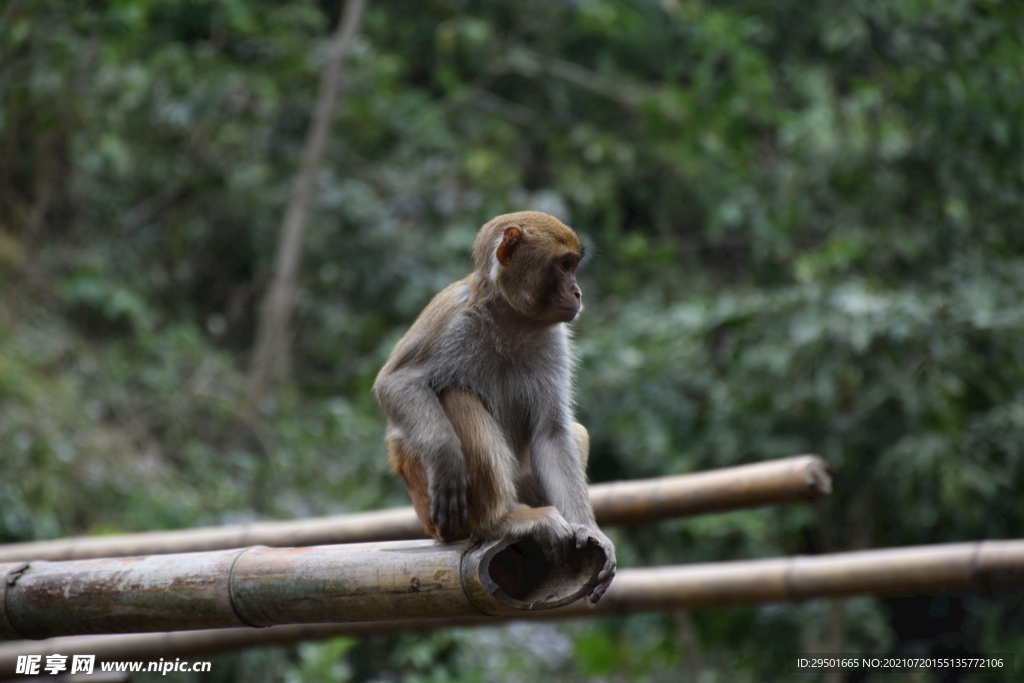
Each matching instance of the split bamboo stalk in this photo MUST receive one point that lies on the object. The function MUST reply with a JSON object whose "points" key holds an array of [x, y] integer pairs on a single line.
{"points": [[982, 566], [789, 480], [261, 586]]}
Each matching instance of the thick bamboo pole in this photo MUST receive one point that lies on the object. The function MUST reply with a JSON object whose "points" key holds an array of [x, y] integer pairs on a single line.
{"points": [[790, 480], [981, 566], [260, 586]]}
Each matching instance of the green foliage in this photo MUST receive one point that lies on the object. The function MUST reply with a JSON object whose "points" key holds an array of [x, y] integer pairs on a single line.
{"points": [[323, 663], [806, 220]]}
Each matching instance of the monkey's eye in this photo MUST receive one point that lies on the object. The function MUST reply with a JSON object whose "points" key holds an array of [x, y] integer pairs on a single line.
{"points": [[567, 263]]}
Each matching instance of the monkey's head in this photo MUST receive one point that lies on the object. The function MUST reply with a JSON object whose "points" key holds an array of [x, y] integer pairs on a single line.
{"points": [[531, 259]]}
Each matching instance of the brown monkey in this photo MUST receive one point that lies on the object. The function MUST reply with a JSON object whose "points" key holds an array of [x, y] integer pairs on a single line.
{"points": [[478, 397]]}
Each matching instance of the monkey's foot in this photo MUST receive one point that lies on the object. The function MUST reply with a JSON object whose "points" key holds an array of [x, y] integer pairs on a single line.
{"points": [[591, 535]]}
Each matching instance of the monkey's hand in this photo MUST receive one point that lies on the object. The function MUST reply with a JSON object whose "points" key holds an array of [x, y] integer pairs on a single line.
{"points": [[591, 534], [448, 486], [554, 534]]}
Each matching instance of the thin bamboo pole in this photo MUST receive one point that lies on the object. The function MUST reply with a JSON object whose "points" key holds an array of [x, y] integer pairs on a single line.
{"points": [[981, 566], [789, 480], [261, 587]]}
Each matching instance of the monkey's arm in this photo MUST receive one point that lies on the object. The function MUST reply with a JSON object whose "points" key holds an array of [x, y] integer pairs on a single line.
{"points": [[417, 420], [560, 472]]}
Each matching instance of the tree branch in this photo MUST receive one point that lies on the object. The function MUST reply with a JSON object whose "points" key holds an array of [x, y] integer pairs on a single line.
{"points": [[272, 336]]}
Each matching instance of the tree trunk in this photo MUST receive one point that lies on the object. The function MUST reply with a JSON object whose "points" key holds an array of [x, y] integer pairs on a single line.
{"points": [[273, 336]]}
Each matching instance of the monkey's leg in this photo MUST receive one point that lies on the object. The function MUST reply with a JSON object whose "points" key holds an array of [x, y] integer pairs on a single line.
{"points": [[528, 489], [411, 470], [494, 511], [490, 463], [581, 438]]}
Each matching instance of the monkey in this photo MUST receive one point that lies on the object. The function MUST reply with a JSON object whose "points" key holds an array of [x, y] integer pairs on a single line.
{"points": [[478, 398]]}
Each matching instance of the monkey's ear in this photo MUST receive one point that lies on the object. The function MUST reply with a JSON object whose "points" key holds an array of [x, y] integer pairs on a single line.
{"points": [[511, 240]]}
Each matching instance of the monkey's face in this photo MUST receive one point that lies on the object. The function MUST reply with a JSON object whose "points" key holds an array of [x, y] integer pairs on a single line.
{"points": [[563, 299], [532, 257]]}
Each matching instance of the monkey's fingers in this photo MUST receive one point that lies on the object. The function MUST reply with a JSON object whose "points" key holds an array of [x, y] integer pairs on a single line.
{"points": [[457, 514], [582, 537], [554, 550], [605, 579], [556, 544], [608, 570], [596, 595], [607, 573], [448, 511]]}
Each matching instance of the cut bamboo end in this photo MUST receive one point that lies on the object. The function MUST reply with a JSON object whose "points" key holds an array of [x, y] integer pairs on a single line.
{"points": [[509, 576]]}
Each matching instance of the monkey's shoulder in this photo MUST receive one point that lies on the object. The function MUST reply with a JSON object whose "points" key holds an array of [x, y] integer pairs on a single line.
{"points": [[434, 321], [459, 340], [446, 304]]}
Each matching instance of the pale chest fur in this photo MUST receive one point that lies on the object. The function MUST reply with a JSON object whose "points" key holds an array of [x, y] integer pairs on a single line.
{"points": [[522, 381]]}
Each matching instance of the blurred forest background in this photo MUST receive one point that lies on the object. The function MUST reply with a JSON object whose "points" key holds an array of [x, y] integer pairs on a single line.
{"points": [[807, 219]]}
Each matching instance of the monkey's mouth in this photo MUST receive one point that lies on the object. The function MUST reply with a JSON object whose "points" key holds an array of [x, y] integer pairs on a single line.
{"points": [[566, 314]]}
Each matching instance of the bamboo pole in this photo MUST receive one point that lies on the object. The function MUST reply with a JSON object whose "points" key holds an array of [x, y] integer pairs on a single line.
{"points": [[789, 480], [981, 566], [261, 586]]}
